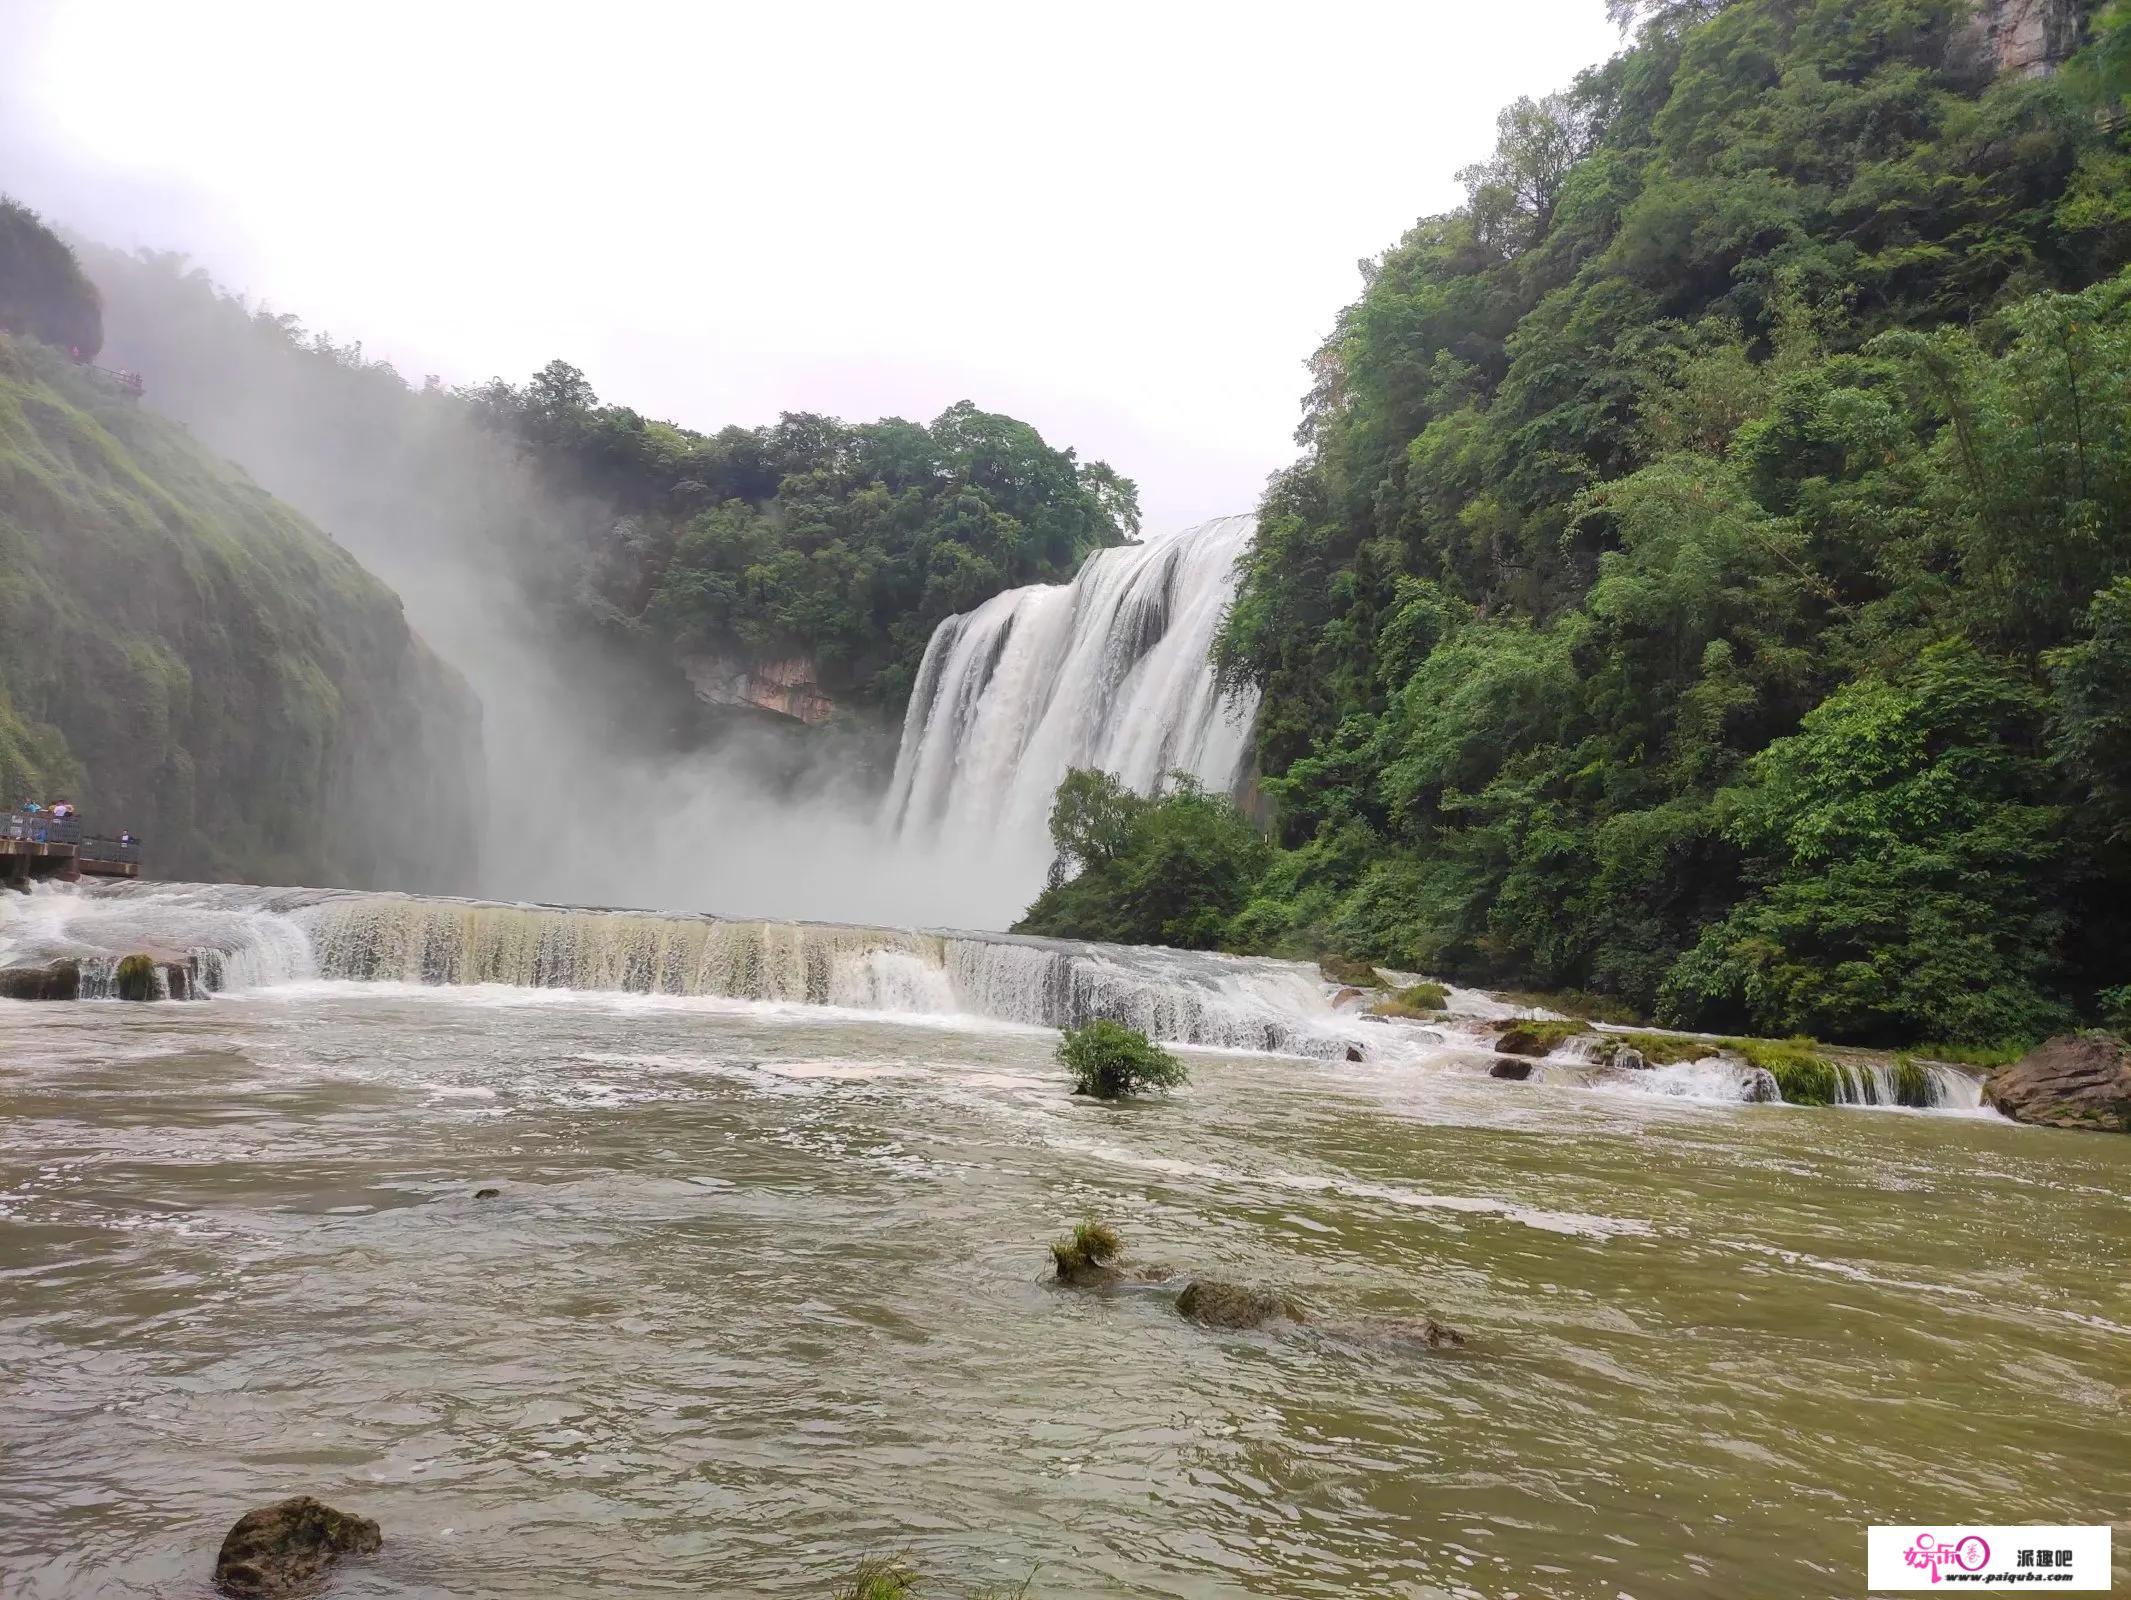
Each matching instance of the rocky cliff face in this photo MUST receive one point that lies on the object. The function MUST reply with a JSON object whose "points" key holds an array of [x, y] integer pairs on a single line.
{"points": [[2029, 37], [788, 688], [184, 656]]}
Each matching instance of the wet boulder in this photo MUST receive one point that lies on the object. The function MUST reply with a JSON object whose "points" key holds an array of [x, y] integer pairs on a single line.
{"points": [[1353, 1052], [288, 1547], [57, 980], [137, 978], [2076, 1080], [1515, 1071], [1630, 1059], [488, 1194], [1214, 1304]]}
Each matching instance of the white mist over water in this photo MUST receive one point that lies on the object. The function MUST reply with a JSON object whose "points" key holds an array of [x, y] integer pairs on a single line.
{"points": [[1112, 670]]}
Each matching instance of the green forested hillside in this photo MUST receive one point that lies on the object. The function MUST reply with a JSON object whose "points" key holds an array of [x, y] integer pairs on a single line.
{"points": [[1707, 579], [182, 655], [646, 542]]}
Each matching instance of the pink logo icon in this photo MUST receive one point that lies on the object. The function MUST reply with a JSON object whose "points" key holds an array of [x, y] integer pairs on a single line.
{"points": [[1971, 1554]]}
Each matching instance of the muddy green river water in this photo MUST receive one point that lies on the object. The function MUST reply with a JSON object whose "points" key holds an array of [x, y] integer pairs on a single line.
{"points": [[763, 1294]]}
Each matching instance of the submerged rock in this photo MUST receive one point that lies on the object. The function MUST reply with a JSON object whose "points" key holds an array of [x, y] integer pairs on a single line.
{"points": [[287, 1547], [1515, 1071], [1413, 1333], [1214, 1304], [1346, 995], [487, 1194], [2076, 1080], [1353, 1052], [1630, 1059], [58, 980]]}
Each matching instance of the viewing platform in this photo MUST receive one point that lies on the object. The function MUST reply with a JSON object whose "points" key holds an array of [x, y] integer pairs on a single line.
{"points": [[36, 845]]}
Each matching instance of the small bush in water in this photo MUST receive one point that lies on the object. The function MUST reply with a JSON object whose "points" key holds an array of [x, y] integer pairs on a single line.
{"points": [[1108, 1059], [1090, 1246]]}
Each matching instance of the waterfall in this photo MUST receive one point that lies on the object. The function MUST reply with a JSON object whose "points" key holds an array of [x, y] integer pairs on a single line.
{"points": [[1111, 670], [228, 937], [1235, 1002], [1917, 1084]]}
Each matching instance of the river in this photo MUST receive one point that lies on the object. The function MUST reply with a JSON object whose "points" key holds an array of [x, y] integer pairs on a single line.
{"points": [[763, 1293]]}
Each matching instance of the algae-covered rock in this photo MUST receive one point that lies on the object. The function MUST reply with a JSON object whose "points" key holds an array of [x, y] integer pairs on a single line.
{"points": [[135, 979], [1215, 1304], [1346, 970], [286, 1548], [2076, 1080], [56, 980]]}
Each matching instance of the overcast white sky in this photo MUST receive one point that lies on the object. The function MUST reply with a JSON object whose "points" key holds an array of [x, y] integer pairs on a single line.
{"points": [[1129, 224]]}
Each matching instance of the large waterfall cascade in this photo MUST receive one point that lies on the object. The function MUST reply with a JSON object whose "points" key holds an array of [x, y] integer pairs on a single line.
{"points": [[1112, 670], [241, 938]]}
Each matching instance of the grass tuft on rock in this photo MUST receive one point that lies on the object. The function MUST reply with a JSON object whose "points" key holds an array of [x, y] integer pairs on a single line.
{"points": [[1419, 1000], [1086, 1251], [1109, 1061]]}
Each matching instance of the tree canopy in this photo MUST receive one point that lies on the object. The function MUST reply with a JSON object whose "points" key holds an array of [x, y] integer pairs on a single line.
{"points": [[1708, 575]]}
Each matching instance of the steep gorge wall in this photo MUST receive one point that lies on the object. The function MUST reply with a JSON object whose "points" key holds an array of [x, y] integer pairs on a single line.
{"points": [[183, 655]]}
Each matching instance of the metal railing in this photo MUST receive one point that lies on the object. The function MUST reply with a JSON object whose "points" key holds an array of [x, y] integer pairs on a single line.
{"points": [[40, 827]]}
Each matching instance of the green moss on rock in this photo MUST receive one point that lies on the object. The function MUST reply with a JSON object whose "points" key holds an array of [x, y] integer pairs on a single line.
{"points": [[135, 979]]}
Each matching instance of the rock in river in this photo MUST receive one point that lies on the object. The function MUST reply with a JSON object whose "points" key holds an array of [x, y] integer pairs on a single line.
{"points": [[2076, 1080], [287, 1547], [60, 980], [1214, 1304]]}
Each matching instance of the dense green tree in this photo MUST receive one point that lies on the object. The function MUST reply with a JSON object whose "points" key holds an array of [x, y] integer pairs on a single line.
{"points": [[1703, 581], [43, 292]]}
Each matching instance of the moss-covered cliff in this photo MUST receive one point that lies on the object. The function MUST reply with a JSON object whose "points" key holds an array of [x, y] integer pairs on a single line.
{"points": [[183, 655]]}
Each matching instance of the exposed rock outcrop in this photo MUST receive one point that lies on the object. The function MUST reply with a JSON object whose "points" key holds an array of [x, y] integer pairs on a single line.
{"points": [[2077, 1080], [1215, 1304], [287, 1548], [789, 688], [57, 980], [2028, 37]]}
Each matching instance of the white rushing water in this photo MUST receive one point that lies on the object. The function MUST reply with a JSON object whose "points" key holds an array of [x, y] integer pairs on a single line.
{"points": [[1112, 670], [237, 938]]}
